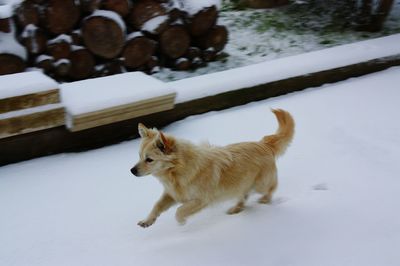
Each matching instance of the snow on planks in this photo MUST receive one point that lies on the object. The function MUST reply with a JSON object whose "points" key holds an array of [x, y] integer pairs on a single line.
{"points": [[29, 102], [95, 102]]}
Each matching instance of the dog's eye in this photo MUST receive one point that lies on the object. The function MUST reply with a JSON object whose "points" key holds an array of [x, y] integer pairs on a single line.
{"points": [[149, 160]]}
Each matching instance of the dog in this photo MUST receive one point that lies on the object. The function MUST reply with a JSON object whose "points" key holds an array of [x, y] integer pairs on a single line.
{"points": [[196, 176]]}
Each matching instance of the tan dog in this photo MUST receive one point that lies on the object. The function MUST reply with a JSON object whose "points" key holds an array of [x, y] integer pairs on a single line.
{"points": [[197, 176]]}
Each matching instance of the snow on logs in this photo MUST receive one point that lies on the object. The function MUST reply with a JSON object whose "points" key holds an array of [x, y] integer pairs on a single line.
{"points": [[79, 39]]}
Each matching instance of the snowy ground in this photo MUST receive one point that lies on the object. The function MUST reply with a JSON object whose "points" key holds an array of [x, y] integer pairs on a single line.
{"points": [[260, 35], [337, 203]]}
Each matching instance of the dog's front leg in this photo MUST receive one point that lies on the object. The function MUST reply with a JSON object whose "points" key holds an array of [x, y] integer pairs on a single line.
{"points": [[188, 208], [163, 204]]}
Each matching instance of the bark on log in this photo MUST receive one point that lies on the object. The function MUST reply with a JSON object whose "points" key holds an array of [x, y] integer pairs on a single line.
{"points": [[143, 11], [10, 64], [62, 16], [82, 64], [202, 21], [27, 13], [174, 41], [103, 36], [121, 7], [138, 51], [215, 38]]}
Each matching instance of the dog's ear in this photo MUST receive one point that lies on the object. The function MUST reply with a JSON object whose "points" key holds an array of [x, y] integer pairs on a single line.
{"points": [[164, 143], [143, 130]]}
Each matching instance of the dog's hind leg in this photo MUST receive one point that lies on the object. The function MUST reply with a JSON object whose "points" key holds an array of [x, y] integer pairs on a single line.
{"points": [[239, 205], [266, 185]]}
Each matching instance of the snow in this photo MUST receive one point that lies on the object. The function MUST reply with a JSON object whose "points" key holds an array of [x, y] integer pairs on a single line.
{"points": [[194, 6], [43, 57], [101, 93], [29, 111], [25, 83], [8, 44], [60, 38], [61, 61], [336, 204], [110, 15], [283, 68], [152, 24], [5, 11], [134, 35]]}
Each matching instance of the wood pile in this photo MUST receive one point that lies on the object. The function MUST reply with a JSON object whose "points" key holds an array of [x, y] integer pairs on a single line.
{"points": [[79, 39]]}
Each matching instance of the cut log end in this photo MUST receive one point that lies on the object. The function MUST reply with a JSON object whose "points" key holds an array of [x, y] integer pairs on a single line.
{"points": [[82, 64], [61, 16], [138, 51], [175, 41], [103, 36], [10, 64]]}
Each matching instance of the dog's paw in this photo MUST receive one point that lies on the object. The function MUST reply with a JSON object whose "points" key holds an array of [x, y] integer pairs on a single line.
{"points": [[146, 223], [235, 210], [180, 220]]}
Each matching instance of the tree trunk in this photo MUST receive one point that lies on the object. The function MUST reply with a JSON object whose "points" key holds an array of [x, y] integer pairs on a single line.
{"points": [[103, 36], [82, 64], [174, 41], [10, 64], [201, 22], [61, 16], [138, 51]]}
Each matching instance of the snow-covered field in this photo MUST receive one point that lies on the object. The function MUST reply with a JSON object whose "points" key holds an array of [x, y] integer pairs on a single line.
{"points": [[337, 203]]}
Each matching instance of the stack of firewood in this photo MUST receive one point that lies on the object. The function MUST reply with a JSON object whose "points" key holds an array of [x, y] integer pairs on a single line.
{"points": [[79, 39]]}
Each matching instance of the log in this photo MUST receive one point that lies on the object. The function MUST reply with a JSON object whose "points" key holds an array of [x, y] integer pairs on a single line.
{"points": [[182, 64], [60, 47], [76, 37], [61, 16], [202, 21], [264, 3], [138, 51], [215, 38], [209, 54], [5, 25], [45, 62], [145, 10], [27, 13], [82, 64], [61, 67], [193, 52], [89, 6], [10, 64], [174, 41], [103, 36], [34, 39], [121, 7]]}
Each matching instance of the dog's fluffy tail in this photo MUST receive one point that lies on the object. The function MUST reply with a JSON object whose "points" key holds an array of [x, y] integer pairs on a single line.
{"points": [[284, 135]]}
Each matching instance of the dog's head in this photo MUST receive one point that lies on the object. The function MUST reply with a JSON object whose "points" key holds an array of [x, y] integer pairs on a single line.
{"points": [[156, 152]]}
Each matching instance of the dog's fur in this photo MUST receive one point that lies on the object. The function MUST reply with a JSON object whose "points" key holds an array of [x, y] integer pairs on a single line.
{"points": [[197, 176]]}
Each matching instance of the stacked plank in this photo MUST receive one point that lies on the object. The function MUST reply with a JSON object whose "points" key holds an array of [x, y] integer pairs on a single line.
{"points": [[105, 100], [74, 40], [29, 102]]}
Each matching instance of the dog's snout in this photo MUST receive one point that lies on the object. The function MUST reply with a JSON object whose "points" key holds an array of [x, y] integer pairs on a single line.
{"points": [[134, 171]]}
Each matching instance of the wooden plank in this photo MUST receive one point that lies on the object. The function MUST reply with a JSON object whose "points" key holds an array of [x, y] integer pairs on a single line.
{"points": [[29, 100], [121, 117], [131, 107], [15, 123]]}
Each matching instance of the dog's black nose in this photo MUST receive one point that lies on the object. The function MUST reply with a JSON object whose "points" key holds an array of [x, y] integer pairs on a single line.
{"points": [[134, 171]]}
